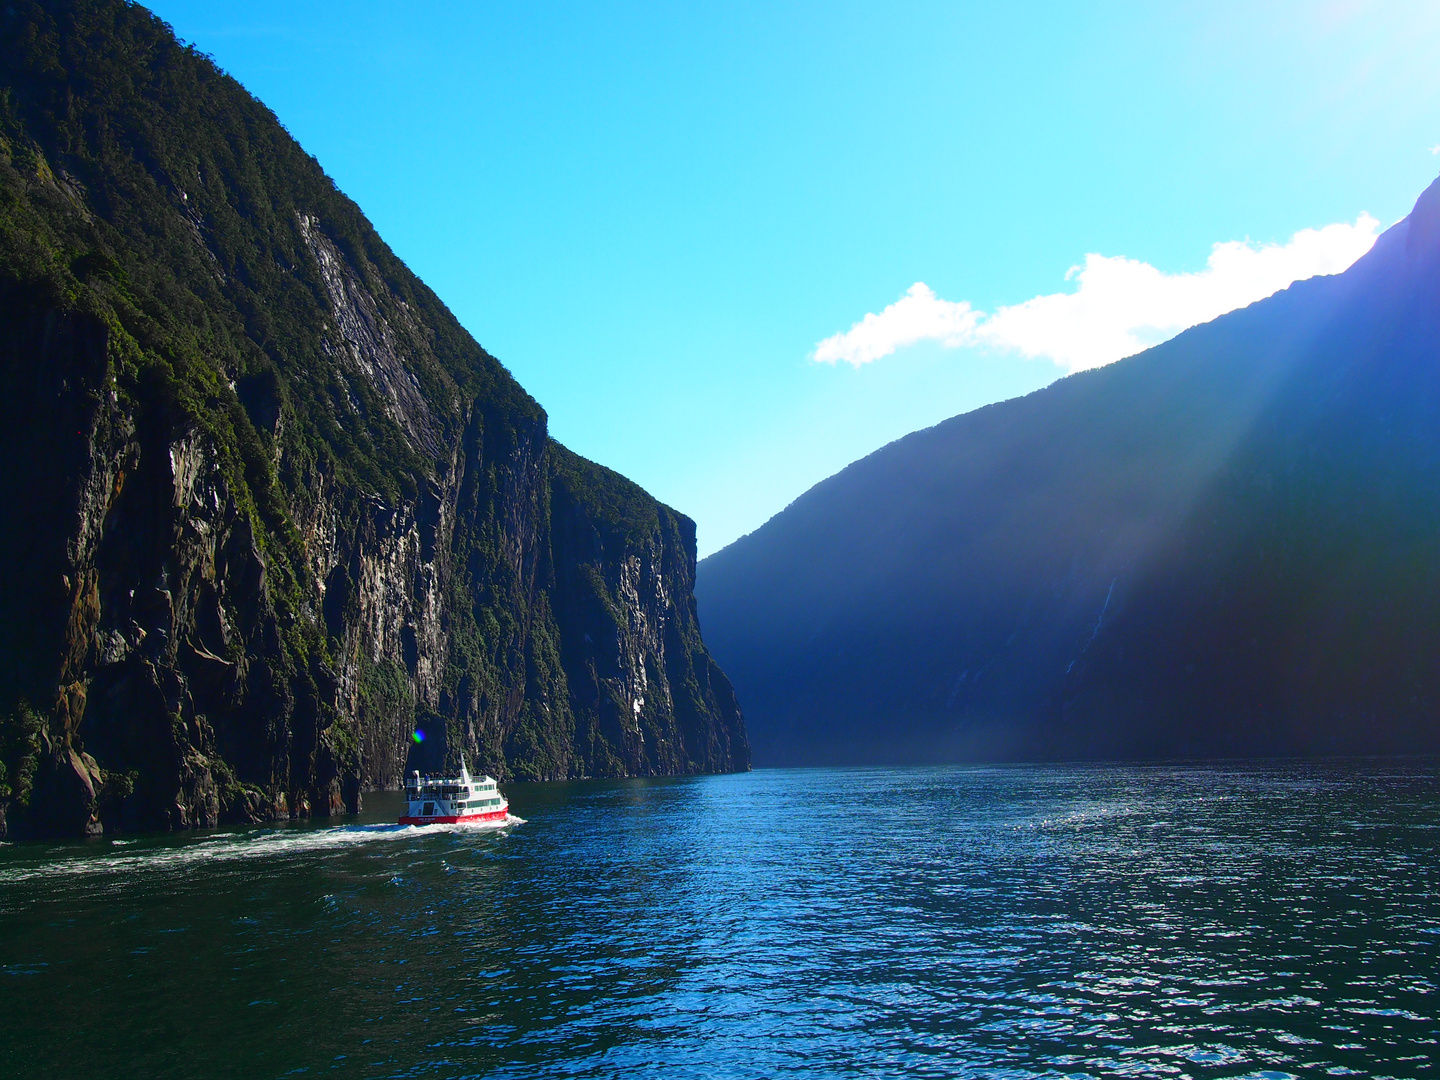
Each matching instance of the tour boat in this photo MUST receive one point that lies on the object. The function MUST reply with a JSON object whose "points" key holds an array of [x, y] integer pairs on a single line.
{"points": [[453, 800]]}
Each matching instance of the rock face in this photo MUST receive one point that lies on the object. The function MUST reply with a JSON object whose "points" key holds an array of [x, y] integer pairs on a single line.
{"points": [[1229, 544], [268, 508]]}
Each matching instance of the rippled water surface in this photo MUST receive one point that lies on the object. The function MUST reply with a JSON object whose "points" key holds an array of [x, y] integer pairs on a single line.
{"points": [[1252, 920]]}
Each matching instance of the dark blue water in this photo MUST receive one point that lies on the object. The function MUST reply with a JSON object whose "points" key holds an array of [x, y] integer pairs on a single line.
{"points": [[1261, 920]]}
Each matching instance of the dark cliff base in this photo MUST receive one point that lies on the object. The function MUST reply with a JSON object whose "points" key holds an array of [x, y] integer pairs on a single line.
{"points": [[268, 507]]}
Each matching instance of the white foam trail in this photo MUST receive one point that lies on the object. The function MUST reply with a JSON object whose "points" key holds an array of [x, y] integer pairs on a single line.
{"points": [[231, 847]]}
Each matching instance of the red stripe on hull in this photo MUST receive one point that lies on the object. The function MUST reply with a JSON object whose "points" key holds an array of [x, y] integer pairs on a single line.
{"points": [[466, 819]]}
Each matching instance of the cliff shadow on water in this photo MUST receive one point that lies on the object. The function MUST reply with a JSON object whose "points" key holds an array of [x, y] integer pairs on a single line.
{"points": [[268, 507]]}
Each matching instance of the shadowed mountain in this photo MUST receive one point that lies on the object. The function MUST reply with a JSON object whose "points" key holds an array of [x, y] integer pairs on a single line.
{"points": [[1228, 544], [267, 511]]}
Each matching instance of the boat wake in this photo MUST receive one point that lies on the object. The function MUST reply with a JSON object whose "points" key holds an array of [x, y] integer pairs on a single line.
{"points": [[121, 856]]}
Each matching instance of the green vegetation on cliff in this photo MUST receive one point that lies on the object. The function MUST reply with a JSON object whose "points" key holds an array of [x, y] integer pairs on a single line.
{"points": [[271, 505]]}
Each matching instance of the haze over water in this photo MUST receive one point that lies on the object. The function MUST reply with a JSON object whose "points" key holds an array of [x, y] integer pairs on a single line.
{"points": [[1264, 920]]}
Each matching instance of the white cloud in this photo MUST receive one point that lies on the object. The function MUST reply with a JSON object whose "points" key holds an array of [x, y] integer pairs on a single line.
{"points": [[1119, 306], [917, 316]]}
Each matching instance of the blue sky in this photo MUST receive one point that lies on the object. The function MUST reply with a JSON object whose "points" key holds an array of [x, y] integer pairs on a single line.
{"points": [[653, 214]]}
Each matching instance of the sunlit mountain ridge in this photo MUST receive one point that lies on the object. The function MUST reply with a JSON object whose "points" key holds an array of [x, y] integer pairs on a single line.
{"points": [[1228, 544]]}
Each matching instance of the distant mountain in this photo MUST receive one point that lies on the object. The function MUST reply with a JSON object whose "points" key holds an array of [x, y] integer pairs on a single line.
{"points": [[268, 514], [1228, 544]]}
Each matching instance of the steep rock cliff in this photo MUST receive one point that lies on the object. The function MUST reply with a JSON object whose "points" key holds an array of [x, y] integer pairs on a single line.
{"points": [[269, 509]]}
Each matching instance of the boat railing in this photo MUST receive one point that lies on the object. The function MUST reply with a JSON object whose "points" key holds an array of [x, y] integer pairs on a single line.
{"points": [[429, 785], [423, 781]]}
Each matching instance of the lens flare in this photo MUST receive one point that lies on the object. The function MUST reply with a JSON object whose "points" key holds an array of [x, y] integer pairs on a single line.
{"points": [[418, 736]]}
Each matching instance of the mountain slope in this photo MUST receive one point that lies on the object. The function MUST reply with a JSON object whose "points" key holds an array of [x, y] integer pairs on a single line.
{"points": [[268, 507], [1227, 544]]}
